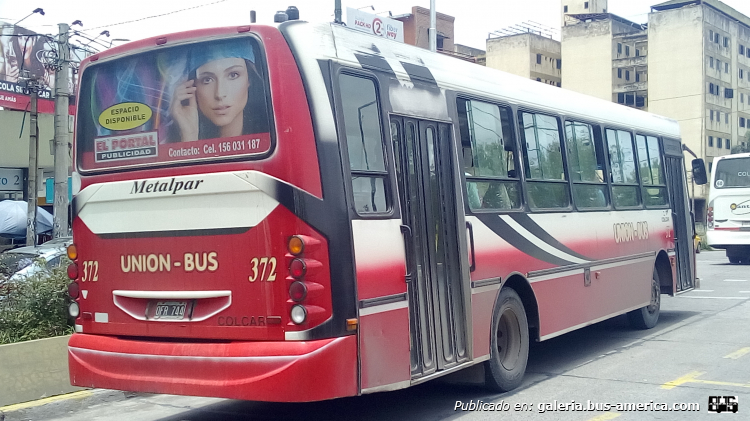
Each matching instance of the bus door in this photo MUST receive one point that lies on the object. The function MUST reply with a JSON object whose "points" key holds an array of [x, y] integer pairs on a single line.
{"points": [[681, 218], [428, 208]]}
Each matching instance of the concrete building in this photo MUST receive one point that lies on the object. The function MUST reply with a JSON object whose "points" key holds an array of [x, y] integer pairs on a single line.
{"points": [[606, 56], [699, 74], [578, 7], [527, 54], [417, 23]]}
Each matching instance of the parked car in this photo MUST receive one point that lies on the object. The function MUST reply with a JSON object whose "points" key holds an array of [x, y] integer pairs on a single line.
{"points": [[16, 264], [697, 243]]}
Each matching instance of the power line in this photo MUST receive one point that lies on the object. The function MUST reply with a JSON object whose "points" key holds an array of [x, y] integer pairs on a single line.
{"points": [[157, 16]]}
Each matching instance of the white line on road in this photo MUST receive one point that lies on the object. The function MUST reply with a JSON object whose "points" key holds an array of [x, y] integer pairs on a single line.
{"points": [[717, 298], [744, 292], [707, 290], [735, 280]]}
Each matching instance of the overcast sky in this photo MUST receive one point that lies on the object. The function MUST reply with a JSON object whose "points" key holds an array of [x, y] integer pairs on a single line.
{"points": [[474, 18]]}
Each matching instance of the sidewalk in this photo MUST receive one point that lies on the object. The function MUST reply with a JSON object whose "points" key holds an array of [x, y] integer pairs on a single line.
{"points": [[54, 406]]}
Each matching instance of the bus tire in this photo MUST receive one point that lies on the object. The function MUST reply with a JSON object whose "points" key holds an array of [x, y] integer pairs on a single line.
{"points": [[509, 343], [647, 317], [734, 260]]}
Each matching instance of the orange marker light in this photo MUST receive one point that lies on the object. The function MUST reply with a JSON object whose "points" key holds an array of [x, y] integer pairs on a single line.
{"points": [[72, 252], [351, 324], [296, 246]]}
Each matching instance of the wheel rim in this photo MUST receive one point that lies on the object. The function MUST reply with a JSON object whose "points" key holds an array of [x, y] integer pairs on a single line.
{"points": [[508, 340], [655, 297]]}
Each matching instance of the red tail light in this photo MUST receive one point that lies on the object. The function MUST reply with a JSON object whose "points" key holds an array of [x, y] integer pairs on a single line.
{"points": [[297, 268], [73, 271], [74, 290], [297, 291], [710, 216]]}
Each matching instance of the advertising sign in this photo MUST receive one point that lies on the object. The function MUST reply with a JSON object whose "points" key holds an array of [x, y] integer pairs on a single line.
{"points": [[374, 24], [11, 179], [199, 101], [23, 50]]}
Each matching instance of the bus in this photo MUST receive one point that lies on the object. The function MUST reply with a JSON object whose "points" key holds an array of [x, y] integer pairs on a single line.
{"points": [[304, 212], [728, 216]]}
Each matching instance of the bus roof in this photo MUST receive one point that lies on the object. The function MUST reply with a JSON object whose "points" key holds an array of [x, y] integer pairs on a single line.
{"points": [[347, 46]]}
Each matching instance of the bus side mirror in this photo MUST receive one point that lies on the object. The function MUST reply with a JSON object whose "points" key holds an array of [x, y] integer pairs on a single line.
{"points": [[699, 172]]}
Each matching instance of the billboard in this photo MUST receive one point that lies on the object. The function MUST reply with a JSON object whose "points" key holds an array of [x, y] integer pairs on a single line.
{"points": [[374, 24], [24, 50]]}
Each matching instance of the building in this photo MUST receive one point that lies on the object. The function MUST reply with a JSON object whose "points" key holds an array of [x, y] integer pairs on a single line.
{"points": [[606, 57], [526, 54], [417, 23], [699, 63], [579, 7]]}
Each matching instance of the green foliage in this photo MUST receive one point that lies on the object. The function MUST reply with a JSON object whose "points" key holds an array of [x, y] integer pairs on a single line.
{"points": [[35, 307]]}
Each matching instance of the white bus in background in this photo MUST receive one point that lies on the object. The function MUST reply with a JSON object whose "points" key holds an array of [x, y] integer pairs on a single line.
{"points": [[729, 207]]}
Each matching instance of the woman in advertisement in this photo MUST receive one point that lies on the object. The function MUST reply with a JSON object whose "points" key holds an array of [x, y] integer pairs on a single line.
{"points": [[222, 97]]}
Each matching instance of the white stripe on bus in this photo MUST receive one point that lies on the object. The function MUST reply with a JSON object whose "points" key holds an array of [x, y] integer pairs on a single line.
{"points": [[539, 243]]}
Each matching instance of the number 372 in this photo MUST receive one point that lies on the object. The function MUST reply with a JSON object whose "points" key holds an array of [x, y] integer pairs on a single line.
{"points": [[259, 265]]}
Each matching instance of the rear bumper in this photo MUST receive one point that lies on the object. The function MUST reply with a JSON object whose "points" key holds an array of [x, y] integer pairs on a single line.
{"points": [[723, 238], [263, 371]]}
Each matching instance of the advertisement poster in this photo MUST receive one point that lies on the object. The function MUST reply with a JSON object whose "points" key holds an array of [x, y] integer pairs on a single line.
{"points": [[374, 24], [24, 50], [196, 101]]}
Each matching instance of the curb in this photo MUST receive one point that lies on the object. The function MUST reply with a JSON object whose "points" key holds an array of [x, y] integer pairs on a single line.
{"points": [[53, 406]]}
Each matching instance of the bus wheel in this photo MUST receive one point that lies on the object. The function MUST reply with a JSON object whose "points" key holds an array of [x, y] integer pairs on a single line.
{"points": [[734, 260], [646, 317], [509, 343]]}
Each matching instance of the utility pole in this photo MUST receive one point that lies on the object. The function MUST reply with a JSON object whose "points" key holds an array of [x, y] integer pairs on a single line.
{"points": [[33, 185], [337, 12], [433, 27], [62, 96]]}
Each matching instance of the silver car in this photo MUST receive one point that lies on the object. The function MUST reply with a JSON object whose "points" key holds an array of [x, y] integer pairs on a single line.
{"points": [[22, 262]]}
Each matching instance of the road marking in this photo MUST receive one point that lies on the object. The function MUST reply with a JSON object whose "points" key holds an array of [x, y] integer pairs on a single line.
{"points": [[707, 290], [606, 416], [693, 378], [75, 395], [735, 280], [682, 380], [717, 298], [744, 292], [737, 354]]}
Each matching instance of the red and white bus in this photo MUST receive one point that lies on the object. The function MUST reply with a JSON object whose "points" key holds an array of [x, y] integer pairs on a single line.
{"points": [[306, 212]]}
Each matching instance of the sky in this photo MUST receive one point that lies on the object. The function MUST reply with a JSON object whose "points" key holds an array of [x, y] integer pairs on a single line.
{"points": [[475, 19]]}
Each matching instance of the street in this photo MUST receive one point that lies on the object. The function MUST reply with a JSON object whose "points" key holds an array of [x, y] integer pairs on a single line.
{"points": [[700, 348]]}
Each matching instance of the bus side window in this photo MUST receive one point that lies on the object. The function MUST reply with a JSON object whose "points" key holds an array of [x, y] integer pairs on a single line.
{"points": [[487, 146], [652, 171], [586, 165], [622, 161], [364, 141], [543, 161]]}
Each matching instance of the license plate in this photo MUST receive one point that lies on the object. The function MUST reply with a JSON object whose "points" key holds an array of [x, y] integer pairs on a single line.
{"points": [[170, 310]]}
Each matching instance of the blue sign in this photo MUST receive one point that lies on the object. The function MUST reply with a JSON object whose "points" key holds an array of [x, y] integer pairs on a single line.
{"points": [[50, 190]]}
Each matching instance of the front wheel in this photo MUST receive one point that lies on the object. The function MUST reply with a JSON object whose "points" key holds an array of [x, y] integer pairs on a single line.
{"points": [[647, 317], [509, 343]]}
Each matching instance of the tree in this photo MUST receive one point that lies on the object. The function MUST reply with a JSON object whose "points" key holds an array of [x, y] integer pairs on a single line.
{"points": [[744, 145]]}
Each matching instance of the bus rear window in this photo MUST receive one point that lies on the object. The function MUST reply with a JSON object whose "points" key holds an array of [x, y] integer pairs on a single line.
{"points": [[193, 102], [732, 172]]}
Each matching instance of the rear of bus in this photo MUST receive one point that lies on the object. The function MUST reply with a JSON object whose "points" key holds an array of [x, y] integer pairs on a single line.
{"points": [[729, 207], [203, 245]]}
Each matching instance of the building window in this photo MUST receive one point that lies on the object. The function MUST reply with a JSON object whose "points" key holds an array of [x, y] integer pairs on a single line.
{"points": [[718, 65], [559, 63], [712, 115], [711, 141], [637, 77], [747, 52], [742, 74], [627, 74], [742, 50], [742, 121], [620, 98], [728, 144], [726, 67], [538, 79], [619, 48], [538, 59], [726, 42], [565, 9], [728, 93], [711, 88], [586, 5], [718, 142], [619, 73], [716, 38], [726, 118], [742, 98], [637, 52], [627, 51], [711, 35], [711, 62]]}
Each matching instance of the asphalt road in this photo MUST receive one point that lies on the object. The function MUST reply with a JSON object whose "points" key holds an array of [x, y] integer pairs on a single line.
{"points": [[700, 348]]}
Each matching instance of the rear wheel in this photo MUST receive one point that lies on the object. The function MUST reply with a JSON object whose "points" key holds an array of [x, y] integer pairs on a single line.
{"points": [[647, 317], [509, 343], [734, 260]]}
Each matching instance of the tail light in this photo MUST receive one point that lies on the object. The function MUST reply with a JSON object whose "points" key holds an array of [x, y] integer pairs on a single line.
{"points": [[73, 271], [710, 216], [74, 290], [72, 252]]}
